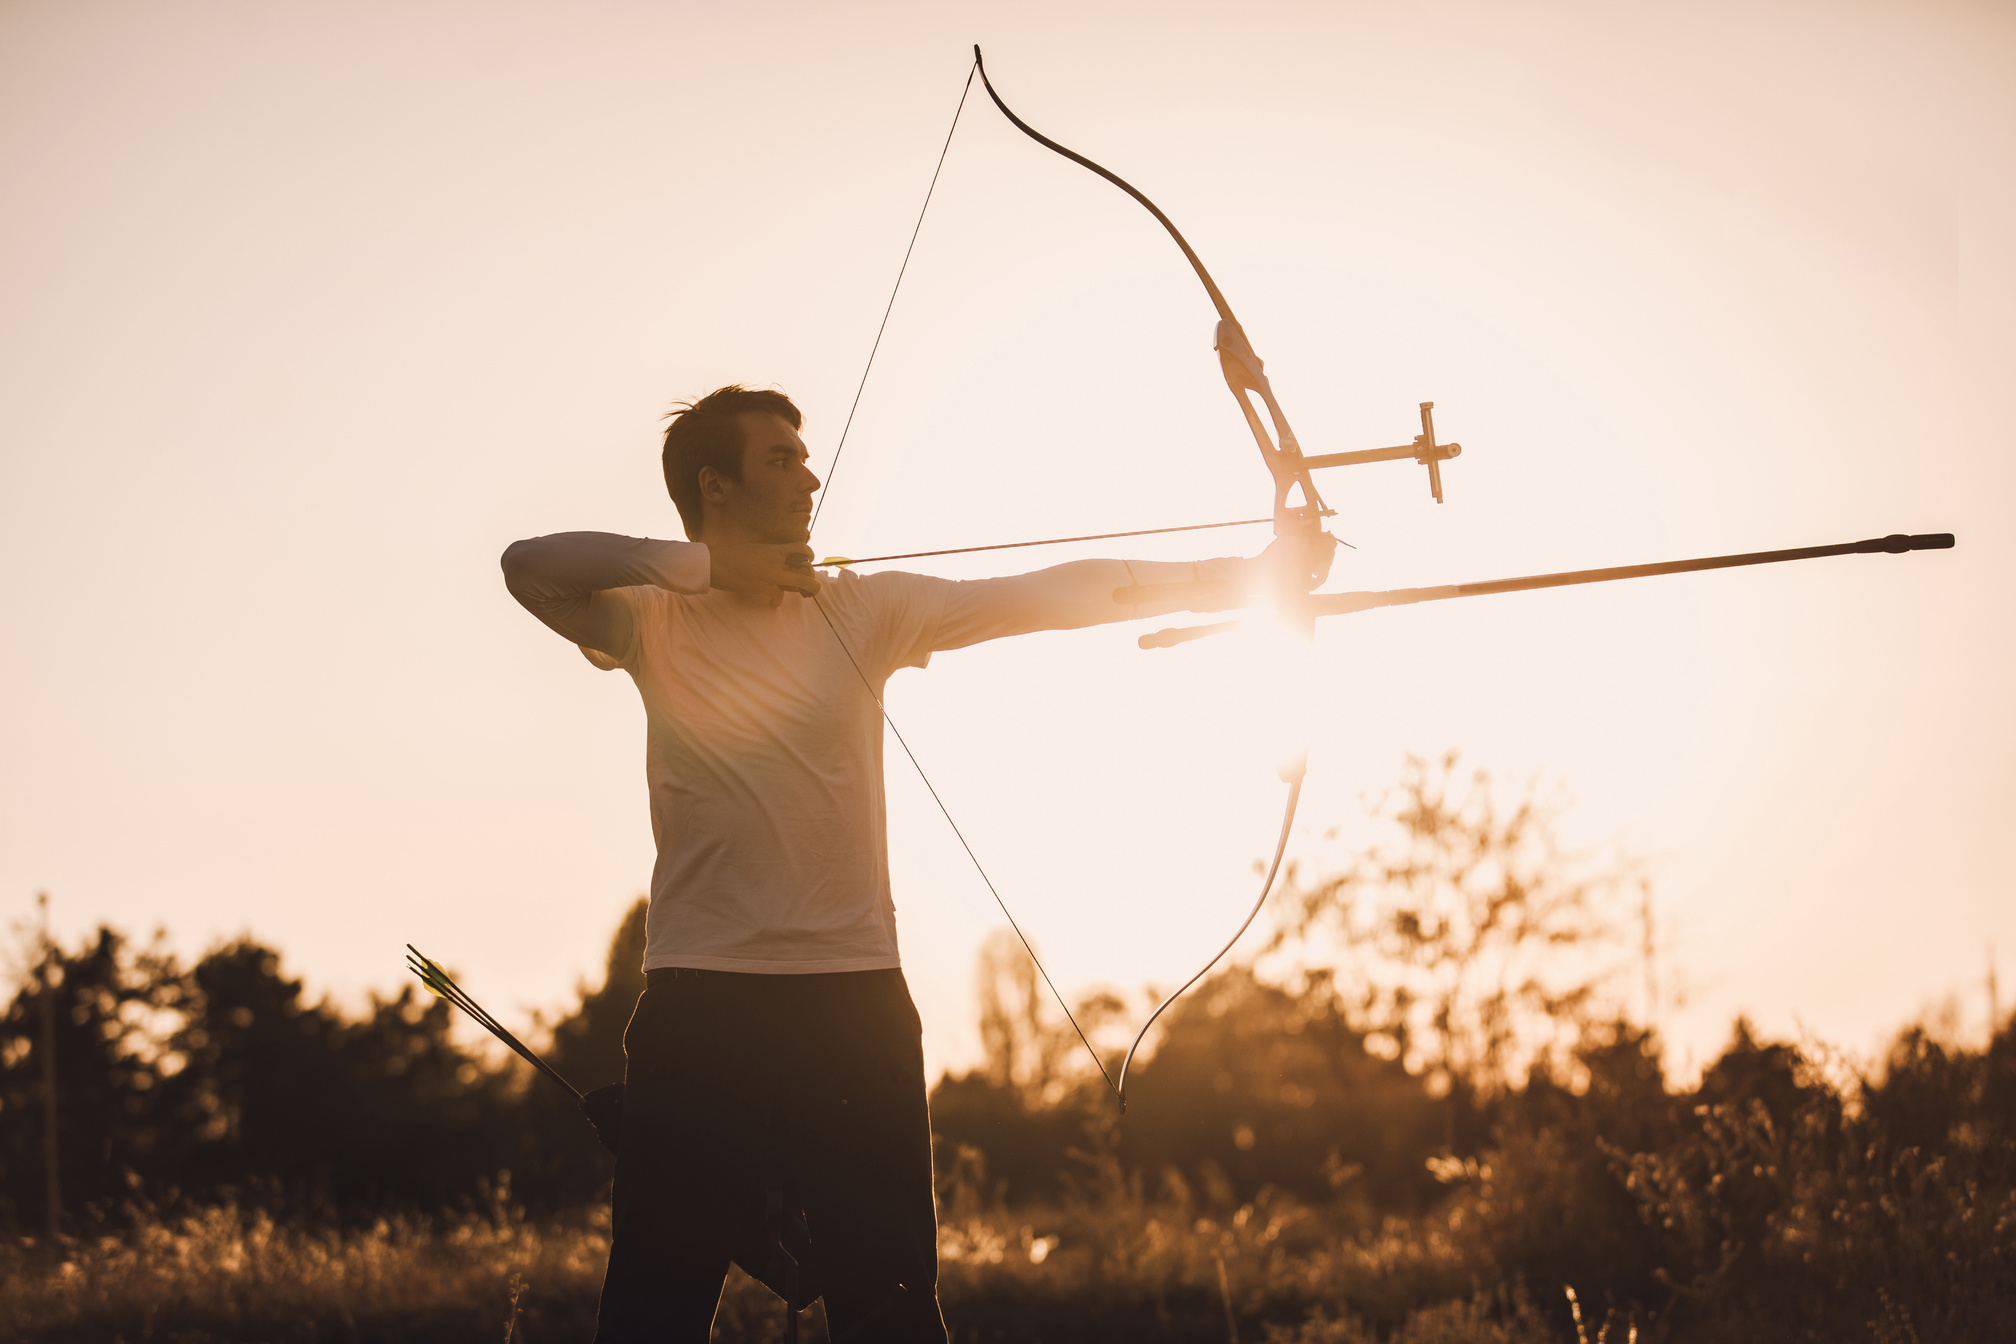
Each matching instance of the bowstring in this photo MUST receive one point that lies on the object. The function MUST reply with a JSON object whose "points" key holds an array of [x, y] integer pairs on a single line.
{"points": [[869, 686], [890, 307], [978, 867]]}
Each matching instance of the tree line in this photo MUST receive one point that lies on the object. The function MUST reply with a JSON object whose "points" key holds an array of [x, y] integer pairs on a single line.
{"points": [[1435, 1039], [222, 1077]]}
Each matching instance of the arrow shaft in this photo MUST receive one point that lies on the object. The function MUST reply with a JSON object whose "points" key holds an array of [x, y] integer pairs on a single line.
{"points": [[1048, 541]]}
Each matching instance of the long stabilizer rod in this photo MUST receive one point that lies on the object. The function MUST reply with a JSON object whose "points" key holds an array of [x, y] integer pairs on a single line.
{"points": [[1343, 604]]}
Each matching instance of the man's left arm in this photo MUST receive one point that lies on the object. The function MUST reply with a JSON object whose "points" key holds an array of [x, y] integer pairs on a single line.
{"points": [[1072, 596]]}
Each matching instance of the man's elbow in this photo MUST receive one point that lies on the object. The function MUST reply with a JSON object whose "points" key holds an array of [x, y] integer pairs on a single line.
{"points": [[517, 564]]}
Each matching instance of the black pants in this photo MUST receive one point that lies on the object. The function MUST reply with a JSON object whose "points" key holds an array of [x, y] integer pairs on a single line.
{"points": [[736, 1083]]}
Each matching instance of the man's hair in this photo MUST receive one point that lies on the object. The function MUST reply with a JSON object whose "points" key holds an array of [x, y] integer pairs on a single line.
{"points": [[708, 433]]}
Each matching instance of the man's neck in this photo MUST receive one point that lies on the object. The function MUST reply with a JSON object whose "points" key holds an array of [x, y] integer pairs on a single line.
{"points": [[724, 532]]}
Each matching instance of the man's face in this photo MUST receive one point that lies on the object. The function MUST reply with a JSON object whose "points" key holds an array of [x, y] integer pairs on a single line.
{"points": [[773, 500]]}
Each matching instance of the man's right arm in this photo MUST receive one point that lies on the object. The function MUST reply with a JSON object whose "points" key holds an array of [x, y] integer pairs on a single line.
{"points": [[565, 580]]}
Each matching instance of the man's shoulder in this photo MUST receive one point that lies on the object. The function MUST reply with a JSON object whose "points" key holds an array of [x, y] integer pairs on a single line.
{"points": [[896, 614], [882, 588]]}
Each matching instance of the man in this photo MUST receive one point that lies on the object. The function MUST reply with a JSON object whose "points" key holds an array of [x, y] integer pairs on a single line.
{"points": [[774, 1058]]}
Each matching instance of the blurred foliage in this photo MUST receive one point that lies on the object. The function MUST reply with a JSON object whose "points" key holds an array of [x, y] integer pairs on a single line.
{"points": [[1440, 1104], [218, 1080], [1471, 944], [116, 1011], [1422, 1117]]}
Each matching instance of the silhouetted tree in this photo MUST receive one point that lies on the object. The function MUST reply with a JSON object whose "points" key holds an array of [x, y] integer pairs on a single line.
{"points": [[358, 1112], [1024, 1108], [1272, 1088], [1544, 1198], [1472, 947], [559, 1162], [588, 1042], [111, 1009]]}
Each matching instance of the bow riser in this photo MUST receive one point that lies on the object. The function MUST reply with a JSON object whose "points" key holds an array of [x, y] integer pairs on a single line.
{"points": [[1246, 375]]}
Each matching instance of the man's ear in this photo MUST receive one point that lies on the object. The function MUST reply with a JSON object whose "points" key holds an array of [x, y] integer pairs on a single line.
{"points": [[713, 485]]}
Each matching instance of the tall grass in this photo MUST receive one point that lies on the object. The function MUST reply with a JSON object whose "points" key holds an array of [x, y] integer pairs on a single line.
{"points": [[1884, 1249], [228, 1272], [1125, 1267]]}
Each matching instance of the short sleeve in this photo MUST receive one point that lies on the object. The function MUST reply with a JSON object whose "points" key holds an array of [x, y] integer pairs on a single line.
{"points": [[644, 606], [891, 619]]}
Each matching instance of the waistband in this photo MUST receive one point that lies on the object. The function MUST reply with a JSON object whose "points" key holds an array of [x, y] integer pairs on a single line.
{"points": [[665, 975]]}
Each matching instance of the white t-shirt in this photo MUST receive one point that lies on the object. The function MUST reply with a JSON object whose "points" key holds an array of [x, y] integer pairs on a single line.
{"points": [[764, 758], [764, 747]]}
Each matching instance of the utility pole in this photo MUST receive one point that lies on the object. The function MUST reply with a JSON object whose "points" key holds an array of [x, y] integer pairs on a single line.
{"points": [[1994, 998], [54, 1188], [1650, 952]]}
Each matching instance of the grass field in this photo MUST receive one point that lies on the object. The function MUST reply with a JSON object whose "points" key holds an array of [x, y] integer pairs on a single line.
{"points": [[229, 1274]]}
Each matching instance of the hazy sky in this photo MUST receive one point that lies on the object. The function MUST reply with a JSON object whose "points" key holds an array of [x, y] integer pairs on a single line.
{"points": [[310, 308]]}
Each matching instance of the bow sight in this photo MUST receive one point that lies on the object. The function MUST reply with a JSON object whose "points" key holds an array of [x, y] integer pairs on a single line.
{"points": [[1424, 450]]}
